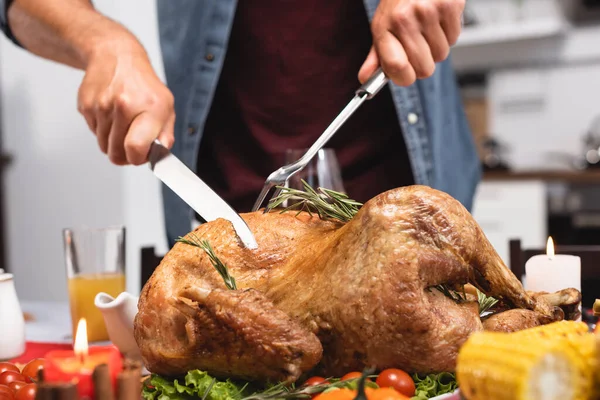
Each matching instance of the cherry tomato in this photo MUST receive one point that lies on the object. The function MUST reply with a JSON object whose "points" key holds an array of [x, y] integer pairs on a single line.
{"points": [[6, 396], [27, 392], [6, 390], [315, 380], [6, 366], [351, 375], [10, 376], [16, 385], [396, 379], [31, 369]]}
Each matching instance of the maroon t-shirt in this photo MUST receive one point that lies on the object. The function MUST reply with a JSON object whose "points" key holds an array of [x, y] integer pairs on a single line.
{"points": [[291, 67]]}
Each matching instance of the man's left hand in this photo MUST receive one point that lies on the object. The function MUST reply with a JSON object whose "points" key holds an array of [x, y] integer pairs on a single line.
{"points": [[410, 36]]}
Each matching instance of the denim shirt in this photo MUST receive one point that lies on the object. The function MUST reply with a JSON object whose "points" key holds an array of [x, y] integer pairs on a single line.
{"points": [[193, 37]]}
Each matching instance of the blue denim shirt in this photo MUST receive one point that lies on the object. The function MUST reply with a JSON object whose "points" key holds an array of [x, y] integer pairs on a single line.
{"points": [[193, 37]]}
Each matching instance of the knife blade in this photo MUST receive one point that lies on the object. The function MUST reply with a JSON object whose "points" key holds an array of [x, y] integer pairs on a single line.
{"points": [[197, 194]]}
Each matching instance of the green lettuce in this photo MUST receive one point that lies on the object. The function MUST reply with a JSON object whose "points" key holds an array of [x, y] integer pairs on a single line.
{"points": [[433, 385], [199, 385], [195, 385]]}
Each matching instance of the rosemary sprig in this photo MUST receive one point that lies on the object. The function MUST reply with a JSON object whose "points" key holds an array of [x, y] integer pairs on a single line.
{"points": [[209, 388], [326, 203], [281, 391], [452, 294], [215, 261], [485, 302]]}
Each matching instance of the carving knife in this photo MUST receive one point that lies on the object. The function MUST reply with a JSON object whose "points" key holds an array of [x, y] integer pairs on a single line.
{"points": [[197, 194]]}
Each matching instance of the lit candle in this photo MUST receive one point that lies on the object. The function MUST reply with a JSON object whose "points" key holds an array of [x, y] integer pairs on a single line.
{"points": [[552, 272], [77, 365]]}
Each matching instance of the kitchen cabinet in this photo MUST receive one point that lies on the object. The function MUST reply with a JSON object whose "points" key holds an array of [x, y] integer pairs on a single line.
{"points": [[542, 114]]}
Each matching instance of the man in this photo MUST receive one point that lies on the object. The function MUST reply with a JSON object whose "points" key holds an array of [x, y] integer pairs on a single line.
{"points": [[250, 79]]}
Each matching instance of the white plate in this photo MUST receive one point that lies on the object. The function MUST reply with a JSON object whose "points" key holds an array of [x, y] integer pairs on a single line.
{"points": [[448, 396]]}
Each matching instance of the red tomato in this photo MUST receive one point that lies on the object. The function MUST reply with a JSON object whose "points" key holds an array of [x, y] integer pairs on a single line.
{"points": [[31, 369], [351, 375], [6, 390], [16, 385], [398, 380], [315, 380], [27, 392], [10, 376], [6, 366], [6, 396]]}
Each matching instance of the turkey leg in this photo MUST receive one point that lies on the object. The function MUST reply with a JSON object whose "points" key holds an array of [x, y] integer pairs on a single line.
{"points": [[240, 333], [445, 224]]}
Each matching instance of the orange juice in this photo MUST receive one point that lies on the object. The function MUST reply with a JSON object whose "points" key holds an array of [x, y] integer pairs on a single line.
{"points": [[83, 289]]}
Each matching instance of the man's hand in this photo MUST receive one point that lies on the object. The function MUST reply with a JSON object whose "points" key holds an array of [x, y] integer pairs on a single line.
{"points": [[410, 36], [125, 104], [123, 101]]}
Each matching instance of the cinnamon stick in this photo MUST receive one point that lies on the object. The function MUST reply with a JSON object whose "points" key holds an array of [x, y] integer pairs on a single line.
{"points": [[102, 383], [129, 384], [68, 392], [56, 391]]}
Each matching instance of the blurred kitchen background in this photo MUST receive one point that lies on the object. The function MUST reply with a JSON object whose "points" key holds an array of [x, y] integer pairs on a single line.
{"points": [[530, 76]]}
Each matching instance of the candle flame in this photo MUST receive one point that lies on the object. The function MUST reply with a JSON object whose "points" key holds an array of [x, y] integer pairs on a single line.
{"points": [[81, 343], [550, 248]]}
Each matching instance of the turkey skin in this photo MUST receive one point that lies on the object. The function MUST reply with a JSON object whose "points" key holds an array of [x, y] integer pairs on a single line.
{"points": [[326, 297]]}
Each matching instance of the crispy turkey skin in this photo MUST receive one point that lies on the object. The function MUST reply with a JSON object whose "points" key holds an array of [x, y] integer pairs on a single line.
{"points": [[328, 297]]}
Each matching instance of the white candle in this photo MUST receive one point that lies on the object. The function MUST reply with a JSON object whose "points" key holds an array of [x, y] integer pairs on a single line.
{"points": [[552, 272]]}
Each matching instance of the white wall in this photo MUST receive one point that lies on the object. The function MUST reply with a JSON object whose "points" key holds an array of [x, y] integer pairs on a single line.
{"points": [[58, 177]]}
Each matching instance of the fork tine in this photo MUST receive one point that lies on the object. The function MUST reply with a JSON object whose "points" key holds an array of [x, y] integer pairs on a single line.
{"points": [[275, 194], [263, 194]]}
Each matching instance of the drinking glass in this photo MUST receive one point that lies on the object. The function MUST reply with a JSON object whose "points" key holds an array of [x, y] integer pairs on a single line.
{"points": [[95, 262], [322, 171]]}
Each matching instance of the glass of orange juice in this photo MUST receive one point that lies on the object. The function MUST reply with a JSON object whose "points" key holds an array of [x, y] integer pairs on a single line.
{"points": [[95, 261]]}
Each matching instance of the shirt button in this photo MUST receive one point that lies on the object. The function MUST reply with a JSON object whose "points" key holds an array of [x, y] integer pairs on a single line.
{"points": [[210, 57], [192, 129], [413, 118]]}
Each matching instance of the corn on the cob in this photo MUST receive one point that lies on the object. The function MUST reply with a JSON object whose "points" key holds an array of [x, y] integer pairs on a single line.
{"points": [[564, 329], [555, 361], [596, 391]]}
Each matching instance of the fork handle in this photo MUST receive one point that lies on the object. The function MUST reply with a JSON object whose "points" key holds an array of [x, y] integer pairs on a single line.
{"points": [[373, 85]]}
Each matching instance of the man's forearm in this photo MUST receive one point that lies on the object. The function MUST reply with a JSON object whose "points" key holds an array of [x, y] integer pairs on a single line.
{"points": [[67, 31]]}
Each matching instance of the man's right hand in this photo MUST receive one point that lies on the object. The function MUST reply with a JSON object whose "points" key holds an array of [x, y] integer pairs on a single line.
{"points": [[123, 101], [125, 104]]}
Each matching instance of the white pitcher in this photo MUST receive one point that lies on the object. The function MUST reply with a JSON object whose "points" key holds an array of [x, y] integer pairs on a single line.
{"points": [[119, 314], [12, 330]]}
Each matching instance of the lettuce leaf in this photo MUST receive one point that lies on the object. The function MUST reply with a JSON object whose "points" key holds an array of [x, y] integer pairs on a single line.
{"points": [[199, 385], [432, 385], [195, 385]]}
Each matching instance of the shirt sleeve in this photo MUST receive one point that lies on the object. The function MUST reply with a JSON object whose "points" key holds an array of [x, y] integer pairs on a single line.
{"points": [[4, 4]]}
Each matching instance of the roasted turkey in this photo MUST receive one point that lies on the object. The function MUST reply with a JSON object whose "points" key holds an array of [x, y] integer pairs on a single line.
{"points": [[327, 297]]}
